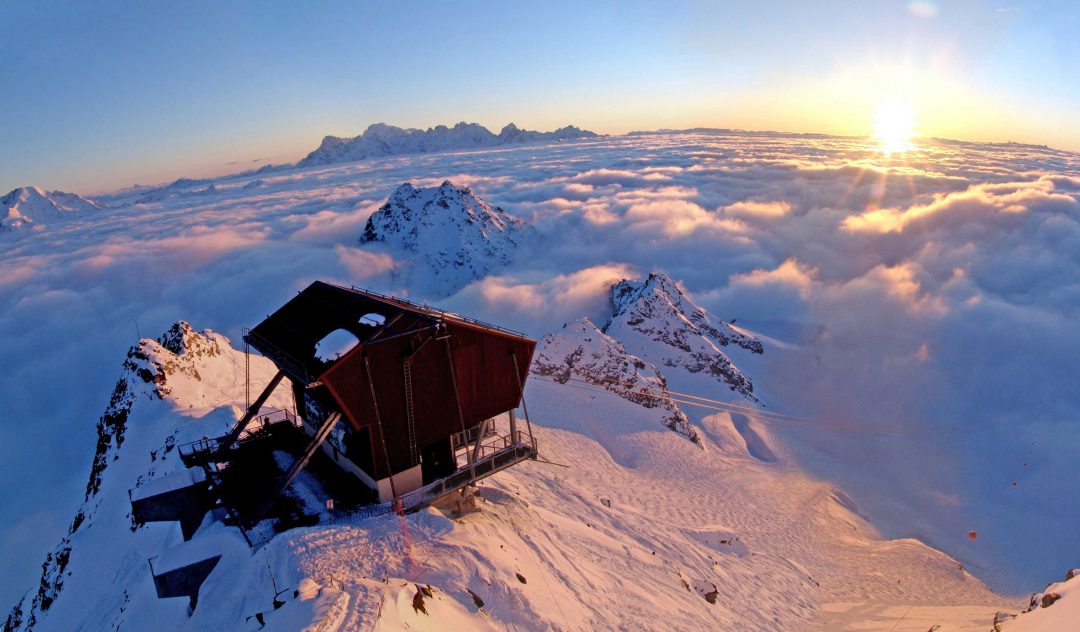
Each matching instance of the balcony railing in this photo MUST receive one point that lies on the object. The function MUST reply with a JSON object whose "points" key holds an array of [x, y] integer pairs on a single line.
{"points": [[207, 449], [496, 455]]}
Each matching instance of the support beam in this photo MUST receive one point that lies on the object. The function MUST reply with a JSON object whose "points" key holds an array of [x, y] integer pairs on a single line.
{"points": [[234, 434], [479, 439], [300, 463], [453, 382], [521, 388]]}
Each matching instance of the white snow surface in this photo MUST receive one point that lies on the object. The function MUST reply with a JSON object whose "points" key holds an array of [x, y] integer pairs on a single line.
{"points": [[168, 483], [633, 530], [1055, 608], [917, 314]]}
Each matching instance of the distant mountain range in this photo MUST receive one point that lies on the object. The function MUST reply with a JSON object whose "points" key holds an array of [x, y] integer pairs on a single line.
{"points": [[381, 139]]}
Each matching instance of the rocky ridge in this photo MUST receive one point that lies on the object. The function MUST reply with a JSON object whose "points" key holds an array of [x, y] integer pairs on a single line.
{"points": [[178, 369], [581, 352], [655, 320]]}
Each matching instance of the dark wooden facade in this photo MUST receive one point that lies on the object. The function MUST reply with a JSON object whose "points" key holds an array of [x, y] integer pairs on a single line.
{"points": [[461, 372]]}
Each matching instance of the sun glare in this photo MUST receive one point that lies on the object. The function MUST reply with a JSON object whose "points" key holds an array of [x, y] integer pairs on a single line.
{"points": [[894, 126]]}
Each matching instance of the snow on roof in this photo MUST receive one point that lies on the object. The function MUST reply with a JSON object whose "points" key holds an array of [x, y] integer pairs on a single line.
{"points": [[195, 551], [168, 483]]}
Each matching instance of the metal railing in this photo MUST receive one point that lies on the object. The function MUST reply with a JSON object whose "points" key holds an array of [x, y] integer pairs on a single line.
{"points": [[500, 454], [496, 461], [194, 452]]}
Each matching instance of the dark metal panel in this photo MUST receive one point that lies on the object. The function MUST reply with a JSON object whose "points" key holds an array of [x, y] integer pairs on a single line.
{"points": [[289, 335], [484, 365]]}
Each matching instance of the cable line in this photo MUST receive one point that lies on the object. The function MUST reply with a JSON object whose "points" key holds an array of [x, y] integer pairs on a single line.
{"points": [[850, 427]]}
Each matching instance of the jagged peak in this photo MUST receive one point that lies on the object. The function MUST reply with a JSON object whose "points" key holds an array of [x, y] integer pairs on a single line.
{"points": [[411, 211], [667, 327], [581, 349], [178, 337], [451, 235], [28, 193], [377, 130], [628, 294], [659, 289], [181, 353], [332, 141], [194, 371]]}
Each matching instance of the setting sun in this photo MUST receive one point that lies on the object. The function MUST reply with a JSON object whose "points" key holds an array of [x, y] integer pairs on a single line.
{"points": [[894, 126]]}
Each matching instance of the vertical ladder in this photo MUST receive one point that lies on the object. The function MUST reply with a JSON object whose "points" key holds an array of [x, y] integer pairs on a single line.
{"points": [[409, 413], [247, 368]]}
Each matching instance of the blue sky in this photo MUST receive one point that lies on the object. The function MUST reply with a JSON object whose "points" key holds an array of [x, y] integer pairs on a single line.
{"points": [[103, 96]]}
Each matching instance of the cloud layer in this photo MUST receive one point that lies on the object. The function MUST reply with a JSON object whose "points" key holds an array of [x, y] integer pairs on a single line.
{"points": [[933, 299]]}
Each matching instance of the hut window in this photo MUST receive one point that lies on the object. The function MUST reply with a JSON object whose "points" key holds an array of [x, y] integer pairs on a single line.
{"points": [[335, 344], [372, 320]]}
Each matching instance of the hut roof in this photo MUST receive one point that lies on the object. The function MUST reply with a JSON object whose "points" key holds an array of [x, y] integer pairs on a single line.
{"points": [[289, 336]]}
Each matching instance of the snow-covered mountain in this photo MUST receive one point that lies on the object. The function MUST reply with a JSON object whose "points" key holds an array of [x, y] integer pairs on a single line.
{"points": [[27, 207], [667, 536], [581, 352], [166, 393], [180, 186], [449, 235], [171, 391], [658, 482], [381, 139], [655, 320]]}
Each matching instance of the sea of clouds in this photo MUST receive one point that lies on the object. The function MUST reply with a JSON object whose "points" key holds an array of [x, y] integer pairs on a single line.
{"points": [[933, 298]]}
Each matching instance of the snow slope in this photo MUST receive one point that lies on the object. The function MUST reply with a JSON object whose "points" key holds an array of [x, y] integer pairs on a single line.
{"points": [[179, 388], [29, 207], [381, 139], [635, 528], [449, 235], [1057, 607]]}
